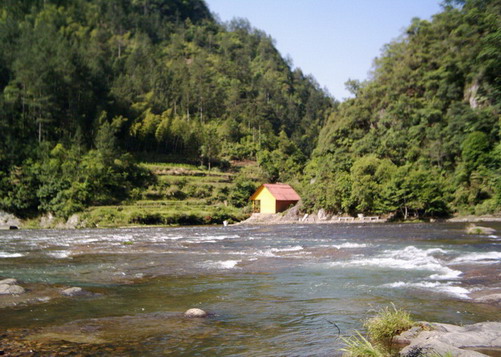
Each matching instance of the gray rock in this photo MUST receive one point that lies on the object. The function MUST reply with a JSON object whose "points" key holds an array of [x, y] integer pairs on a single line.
{"points": [[47, 221], [489, 299], [456, 340], [322, 215], [194, 312], [406, 337], [8, 281], [6, 228], [479, 230], [8, 220], [437, 348], [11, 289], [292, 214], [75, 291], [312, 218], [73, 221]]}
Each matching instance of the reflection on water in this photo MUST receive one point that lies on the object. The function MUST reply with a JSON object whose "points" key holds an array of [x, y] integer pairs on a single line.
{"points": [[273, 290]]}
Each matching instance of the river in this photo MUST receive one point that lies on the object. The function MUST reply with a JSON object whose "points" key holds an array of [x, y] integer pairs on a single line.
{"points": [[283, 290]]}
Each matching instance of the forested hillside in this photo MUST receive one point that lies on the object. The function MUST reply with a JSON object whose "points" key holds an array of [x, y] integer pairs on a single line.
{"points": [[90, 87], [86, 87], [422, 136]]}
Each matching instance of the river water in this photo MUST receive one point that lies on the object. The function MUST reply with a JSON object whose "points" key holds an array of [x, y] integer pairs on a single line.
{"points": [[284, 290]]}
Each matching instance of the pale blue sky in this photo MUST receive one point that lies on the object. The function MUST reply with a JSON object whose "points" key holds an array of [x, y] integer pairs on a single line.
{"points": [[334, 40]]}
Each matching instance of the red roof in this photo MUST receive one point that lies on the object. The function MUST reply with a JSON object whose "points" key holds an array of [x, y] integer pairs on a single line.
{"points": [[281, 192]]}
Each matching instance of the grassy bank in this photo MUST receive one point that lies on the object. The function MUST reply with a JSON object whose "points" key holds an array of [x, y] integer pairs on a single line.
{"points": [[183, 194]]}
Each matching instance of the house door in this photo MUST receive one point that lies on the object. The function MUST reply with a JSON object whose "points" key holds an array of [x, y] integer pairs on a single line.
{"points": [[256, 206]]}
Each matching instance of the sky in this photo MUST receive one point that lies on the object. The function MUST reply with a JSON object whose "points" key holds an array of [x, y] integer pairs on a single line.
{"points": [[333, 40]]}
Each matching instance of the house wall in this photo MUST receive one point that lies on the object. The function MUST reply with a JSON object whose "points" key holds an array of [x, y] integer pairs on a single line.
{"points": [[283, 205], [268, 202]]}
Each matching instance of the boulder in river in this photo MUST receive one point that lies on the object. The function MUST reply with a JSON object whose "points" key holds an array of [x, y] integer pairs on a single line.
{"points": [[445, 339], [479, 230], [10, 287], [75, 291], [9, 281], [195, 312]]}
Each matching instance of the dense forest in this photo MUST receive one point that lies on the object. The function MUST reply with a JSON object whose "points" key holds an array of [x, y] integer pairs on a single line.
{"points": [[422, 135], [88, 88]]}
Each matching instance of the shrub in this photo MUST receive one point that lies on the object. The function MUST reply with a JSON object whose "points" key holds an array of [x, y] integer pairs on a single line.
{"points": [[204, 191], [199, 191], [241, 192], [387, 324], [136, 194], [145, 218], [181, 182], [174, 192], [381, 329], [183, 219]]}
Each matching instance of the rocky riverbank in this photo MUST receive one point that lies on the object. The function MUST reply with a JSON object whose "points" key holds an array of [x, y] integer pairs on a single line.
{"points": [[436, 339], [294, 216], [291, 216]]}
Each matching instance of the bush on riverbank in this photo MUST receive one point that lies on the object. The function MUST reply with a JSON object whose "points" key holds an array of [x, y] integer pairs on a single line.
{"points": [[388, 323], [381, 329]]}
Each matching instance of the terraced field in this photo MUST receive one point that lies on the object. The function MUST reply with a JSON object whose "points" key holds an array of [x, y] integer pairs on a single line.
{"points": [[183, 195]]}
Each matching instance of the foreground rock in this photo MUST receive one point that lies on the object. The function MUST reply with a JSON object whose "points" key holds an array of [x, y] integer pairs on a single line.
{"points": [[75, 291], [443, 339], [9, 281], [197, 313], [479, 230], [10, 287], [6, 289]]}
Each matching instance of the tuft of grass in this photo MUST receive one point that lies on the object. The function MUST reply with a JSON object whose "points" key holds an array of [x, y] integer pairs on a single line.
{"points": [[359, 346], [381, 329], [388, 323]]}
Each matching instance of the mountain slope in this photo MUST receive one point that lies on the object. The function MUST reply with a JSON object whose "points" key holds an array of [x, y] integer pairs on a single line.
{"points": [[85, 82], [422, 135]]}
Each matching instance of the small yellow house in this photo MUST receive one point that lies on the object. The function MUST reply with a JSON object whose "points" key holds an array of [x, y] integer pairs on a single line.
{"points": [[273, 198]]}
